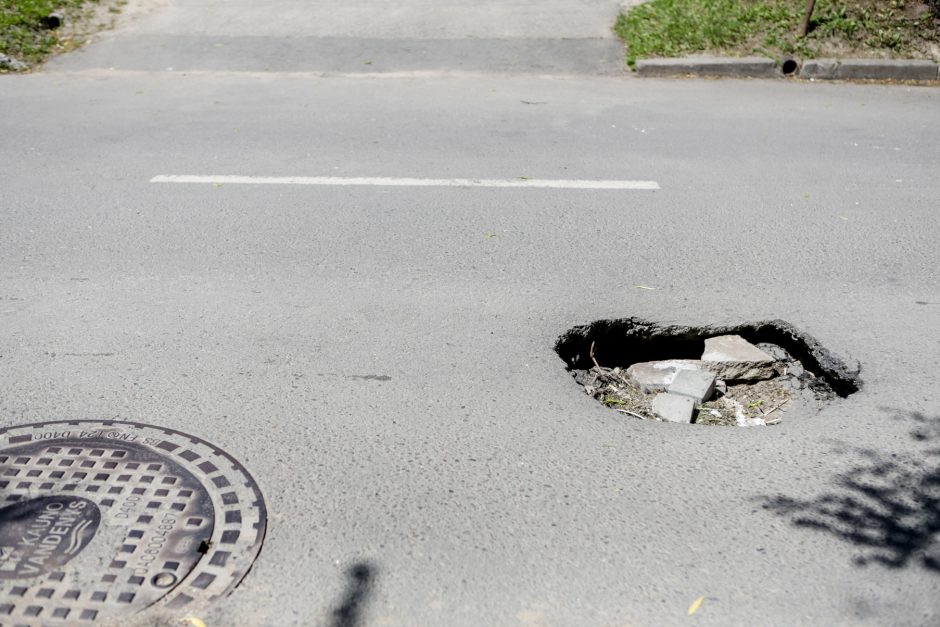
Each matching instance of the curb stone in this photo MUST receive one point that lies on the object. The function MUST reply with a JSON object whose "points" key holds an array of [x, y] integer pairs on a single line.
{"points": [[887, 69], [819, 69], [741, 67], [9, 63]]}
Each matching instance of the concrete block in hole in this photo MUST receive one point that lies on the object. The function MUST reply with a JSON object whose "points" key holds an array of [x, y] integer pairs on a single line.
{"points": [[696, 384], [673, 407], [733, 358], [655, 376]]}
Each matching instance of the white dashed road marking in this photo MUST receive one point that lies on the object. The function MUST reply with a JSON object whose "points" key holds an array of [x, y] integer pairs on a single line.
{"points": [[403, 182]]}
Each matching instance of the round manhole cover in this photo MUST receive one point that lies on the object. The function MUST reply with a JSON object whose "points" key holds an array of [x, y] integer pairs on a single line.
{"points": [[102, 520]]}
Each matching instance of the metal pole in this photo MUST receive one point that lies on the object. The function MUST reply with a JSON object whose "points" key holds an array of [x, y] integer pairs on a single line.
{"points": [[804, 27]]}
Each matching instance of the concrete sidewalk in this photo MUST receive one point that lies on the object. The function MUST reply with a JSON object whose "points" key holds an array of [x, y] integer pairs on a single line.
{"points": [[330, 36]]}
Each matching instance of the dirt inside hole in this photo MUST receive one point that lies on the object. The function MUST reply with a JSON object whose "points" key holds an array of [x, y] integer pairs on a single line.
{"points": [[805, 376]]}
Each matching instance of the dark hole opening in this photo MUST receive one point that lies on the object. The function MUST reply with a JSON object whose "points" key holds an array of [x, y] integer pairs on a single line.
{"points": [[52, 21], [627, 341], [789, 66]]}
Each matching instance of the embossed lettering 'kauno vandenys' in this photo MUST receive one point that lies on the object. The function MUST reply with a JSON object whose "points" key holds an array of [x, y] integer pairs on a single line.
{"points": [[39, 535], [106, 519]]}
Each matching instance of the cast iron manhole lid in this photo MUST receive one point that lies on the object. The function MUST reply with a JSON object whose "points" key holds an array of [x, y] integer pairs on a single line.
{"points": [[103, 520]]}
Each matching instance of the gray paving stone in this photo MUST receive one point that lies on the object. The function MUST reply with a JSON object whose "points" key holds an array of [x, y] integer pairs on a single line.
{"points": [[673, 407], [696, 384]]}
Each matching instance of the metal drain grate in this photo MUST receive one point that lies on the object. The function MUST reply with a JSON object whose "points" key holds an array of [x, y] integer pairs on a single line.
{"points": [[106, 519]]}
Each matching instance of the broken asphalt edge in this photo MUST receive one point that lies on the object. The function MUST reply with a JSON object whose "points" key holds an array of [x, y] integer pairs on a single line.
{"points": [[819, 69], [842, 375]]}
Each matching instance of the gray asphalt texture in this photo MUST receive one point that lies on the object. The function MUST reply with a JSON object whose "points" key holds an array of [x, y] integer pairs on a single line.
{"points": [[381, 358]]}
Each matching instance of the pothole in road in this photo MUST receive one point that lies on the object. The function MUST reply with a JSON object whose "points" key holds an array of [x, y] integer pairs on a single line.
{"points": [[746, 375], [101, 521]]}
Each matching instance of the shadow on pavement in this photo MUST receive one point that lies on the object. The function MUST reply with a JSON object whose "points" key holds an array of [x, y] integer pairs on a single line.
{"points": [[889, 504], [360, 577]]}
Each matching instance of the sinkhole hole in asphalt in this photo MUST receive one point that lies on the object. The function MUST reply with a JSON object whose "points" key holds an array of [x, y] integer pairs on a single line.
{"points": [[753, 374]]}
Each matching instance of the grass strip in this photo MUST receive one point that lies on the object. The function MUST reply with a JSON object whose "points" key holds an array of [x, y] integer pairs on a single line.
{"points": [[839, 28], [23, 34]]}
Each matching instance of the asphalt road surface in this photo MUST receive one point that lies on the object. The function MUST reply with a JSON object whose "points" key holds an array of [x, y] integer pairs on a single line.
{"points": [[380, 356]]}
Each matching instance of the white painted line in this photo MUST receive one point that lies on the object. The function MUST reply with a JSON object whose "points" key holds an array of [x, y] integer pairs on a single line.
{"points": [[401, 182]]}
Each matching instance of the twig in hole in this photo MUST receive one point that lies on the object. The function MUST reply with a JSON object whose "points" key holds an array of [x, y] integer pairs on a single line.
{"points": [[624, 411], [591, 355], [770, 411]]}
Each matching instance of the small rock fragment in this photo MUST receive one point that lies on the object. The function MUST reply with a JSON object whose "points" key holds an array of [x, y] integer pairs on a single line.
{"points": [[655, 376], [733, 358], [673, 407], [777, 352], [696, 384], [721, 387], [795, 369]]}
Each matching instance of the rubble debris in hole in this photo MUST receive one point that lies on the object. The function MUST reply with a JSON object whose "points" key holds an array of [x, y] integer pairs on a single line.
{"points": [[733, 383]]}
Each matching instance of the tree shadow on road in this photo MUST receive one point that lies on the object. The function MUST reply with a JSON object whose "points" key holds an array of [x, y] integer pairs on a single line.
{"points": [[889, 504]]}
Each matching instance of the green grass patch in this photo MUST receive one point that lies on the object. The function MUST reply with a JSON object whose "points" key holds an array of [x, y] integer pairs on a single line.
{"points": [[22, 33], [840, 28]]}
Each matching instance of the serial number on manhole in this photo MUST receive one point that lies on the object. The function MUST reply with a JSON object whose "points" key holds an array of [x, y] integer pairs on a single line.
{"points": [[103, 520]]}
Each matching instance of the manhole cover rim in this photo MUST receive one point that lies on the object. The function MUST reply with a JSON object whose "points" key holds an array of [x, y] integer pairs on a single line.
{"points": [[160, 442]]}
